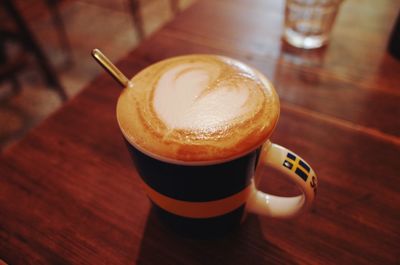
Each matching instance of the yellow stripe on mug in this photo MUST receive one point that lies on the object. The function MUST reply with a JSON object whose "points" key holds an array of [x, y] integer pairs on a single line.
{"points": [[198, 209]]}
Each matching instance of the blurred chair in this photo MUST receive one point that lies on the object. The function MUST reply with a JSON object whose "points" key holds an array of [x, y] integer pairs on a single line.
{"points": [[19, 33], [137, 18], [60, 29], [10, 65], [174, 6], [135, 6]]}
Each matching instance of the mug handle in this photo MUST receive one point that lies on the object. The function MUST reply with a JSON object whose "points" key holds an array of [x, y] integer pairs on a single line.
{"points": [[298, 171]]}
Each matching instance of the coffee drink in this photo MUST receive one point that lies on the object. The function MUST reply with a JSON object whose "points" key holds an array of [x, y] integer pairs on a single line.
{"points": [[198, 109], [197, 127]]}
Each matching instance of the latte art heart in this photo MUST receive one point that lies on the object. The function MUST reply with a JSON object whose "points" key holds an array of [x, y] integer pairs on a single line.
{"points": [[198, 108], [189, 97]]}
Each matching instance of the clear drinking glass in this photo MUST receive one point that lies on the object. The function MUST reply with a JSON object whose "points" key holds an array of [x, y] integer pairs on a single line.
{"points": [[308, 23]]}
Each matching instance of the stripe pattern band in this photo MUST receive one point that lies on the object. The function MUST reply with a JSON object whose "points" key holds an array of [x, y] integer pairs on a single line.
{"points": [[206, 209]]}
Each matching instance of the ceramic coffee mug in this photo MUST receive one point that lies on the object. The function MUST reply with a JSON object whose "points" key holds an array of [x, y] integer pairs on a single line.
{"points": [[197, 126]]}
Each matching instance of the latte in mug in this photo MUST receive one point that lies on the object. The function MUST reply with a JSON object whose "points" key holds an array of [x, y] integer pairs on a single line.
{"points": [[198, 109], [196, 127]]}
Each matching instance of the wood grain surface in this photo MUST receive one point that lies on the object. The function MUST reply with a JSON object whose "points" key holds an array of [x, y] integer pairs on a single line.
{"points": [[69, 194]]}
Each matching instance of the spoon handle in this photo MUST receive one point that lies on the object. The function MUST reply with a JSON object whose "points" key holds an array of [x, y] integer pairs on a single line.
{"points": [[110, 67]]}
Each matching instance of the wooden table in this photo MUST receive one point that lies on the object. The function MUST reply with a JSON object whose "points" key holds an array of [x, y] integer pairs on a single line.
{"points": [[69, 194]]}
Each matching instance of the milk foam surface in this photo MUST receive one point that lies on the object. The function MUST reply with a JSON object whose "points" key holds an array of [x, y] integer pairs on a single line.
{"points": [[184, 98], [198, 108]]}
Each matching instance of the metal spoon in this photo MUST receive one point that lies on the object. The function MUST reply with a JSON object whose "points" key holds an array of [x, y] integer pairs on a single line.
{"points": [[110, 68]]}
